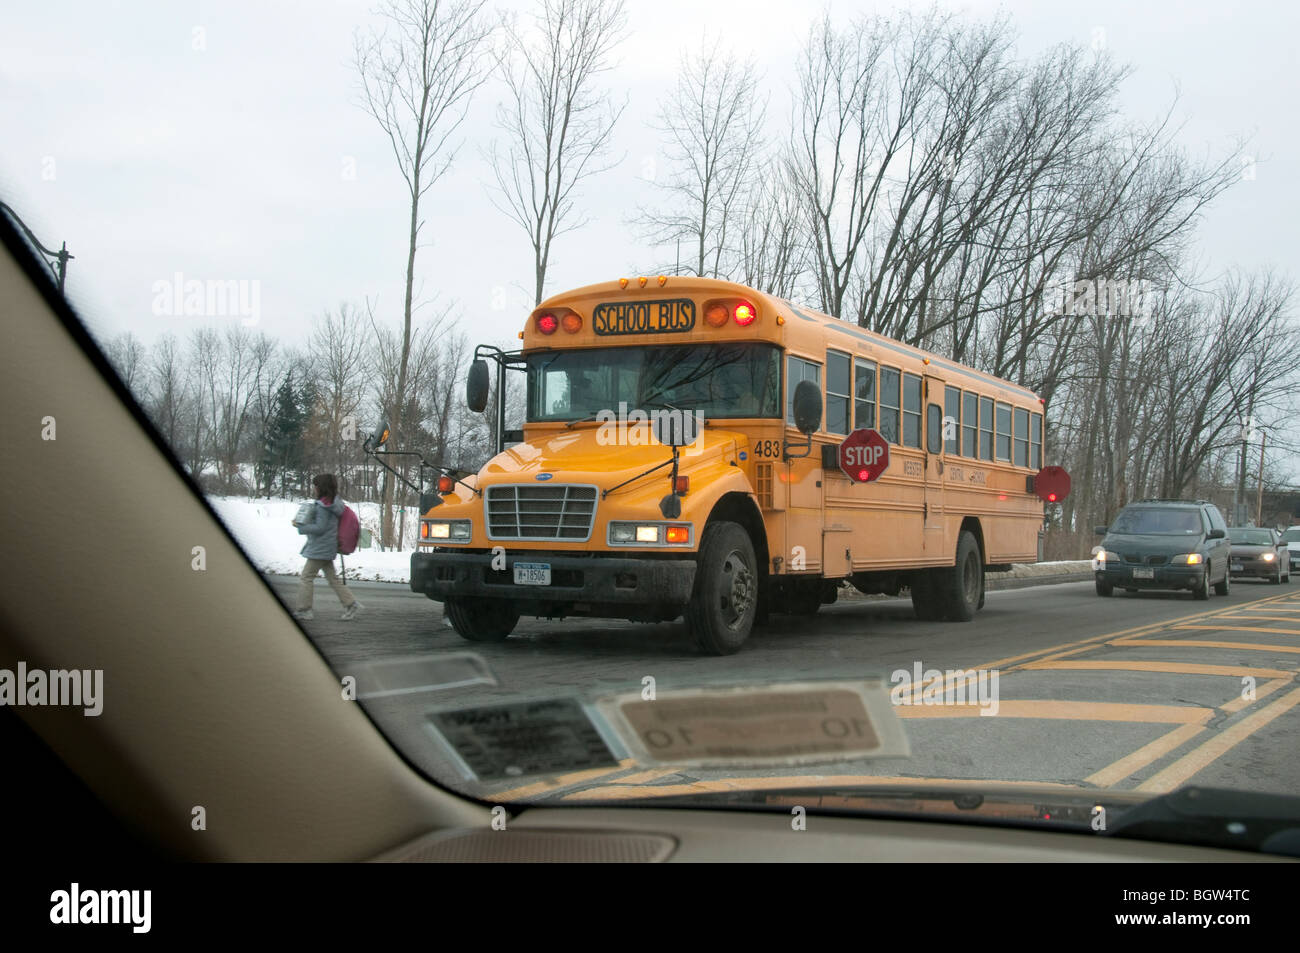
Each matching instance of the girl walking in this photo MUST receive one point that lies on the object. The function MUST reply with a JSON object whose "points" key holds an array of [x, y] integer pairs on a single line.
{"points": [[322, 532]]}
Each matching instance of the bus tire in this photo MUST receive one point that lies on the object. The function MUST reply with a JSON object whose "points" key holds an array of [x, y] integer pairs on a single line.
{"points": [[925, 601], [722, 607], [480, 620], [958, 589]]}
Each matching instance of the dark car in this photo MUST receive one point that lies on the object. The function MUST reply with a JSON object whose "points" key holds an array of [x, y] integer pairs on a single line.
{"points": [[1259, 553], [1165, 544]]}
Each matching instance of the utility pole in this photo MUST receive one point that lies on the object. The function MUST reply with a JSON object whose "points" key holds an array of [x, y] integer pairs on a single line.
{"points": [[1259, 493], [1239, 486]]}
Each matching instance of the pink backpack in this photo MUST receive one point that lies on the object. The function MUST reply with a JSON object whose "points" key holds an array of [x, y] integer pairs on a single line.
{"points": [[349, 531]]}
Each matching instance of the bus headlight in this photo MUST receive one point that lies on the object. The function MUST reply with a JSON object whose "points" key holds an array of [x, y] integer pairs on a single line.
{"points": [[454, 531], [1268, 557], [628, 533], [1186, 559]]}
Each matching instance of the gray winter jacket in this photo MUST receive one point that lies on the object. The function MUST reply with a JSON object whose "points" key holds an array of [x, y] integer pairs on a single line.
{"points": [[322, 530]]}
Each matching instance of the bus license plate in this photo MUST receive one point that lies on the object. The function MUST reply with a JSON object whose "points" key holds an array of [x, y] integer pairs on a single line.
{"points": [[532, 574], [1144, 574]]}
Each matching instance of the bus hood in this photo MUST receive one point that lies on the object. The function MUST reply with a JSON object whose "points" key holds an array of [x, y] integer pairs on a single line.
{"points": [[591, 454]]}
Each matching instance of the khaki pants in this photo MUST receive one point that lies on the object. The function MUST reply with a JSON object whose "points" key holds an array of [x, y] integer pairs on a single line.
{"points": [[308, 577]]}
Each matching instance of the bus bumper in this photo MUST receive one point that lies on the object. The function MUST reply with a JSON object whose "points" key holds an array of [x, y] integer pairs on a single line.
{"points": [[597, 581]]}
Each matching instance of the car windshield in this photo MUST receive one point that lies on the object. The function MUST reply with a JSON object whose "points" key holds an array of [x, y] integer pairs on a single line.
{"points": [[733, 380], [1251, 537], [1030, 270], [1157, 521]]}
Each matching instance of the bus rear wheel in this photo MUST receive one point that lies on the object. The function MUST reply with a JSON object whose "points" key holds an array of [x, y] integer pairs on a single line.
{"points": [[481, 620], [722, 607], [957, 590]]}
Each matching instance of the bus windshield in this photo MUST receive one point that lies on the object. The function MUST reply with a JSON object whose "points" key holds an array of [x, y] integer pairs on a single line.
{"points": [[715, 380]]}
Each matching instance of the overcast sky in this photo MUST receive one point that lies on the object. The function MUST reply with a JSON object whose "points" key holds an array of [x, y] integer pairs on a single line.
{"points": [[151, 157]]}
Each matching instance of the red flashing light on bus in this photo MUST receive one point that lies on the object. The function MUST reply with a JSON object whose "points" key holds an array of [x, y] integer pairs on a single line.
{"points": [[547, 323], [745, 314]]}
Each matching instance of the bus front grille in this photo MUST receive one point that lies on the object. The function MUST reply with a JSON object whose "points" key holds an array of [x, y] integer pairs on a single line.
{"points": [[525, 511]]}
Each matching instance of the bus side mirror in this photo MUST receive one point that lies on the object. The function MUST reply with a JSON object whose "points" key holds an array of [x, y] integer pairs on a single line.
{"points": [[807, 407], [476, 386], [377, 439]]}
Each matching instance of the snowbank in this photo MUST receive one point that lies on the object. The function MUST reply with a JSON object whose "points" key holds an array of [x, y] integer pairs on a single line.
{"points": [[263, 529]]}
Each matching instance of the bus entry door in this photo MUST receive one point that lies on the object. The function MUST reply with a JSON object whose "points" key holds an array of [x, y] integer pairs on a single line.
{"points": [[934, 530]]}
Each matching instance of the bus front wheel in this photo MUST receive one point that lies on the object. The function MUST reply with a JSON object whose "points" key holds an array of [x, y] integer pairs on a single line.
{"points": [[958, 590], [481, 620], [722, 607]]}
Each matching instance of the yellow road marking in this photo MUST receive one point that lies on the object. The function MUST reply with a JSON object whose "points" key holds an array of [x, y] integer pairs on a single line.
{"points": [[1263, 618], [562, 781], [644, 777], [1197, 643], [1268, 688], [1113, 773], [1170, 668], [1072, 711], [621, 792], [1196, 760], [1241, 628]]}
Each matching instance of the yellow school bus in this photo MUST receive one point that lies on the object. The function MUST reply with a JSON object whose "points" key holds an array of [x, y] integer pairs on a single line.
{"points": [[680, 458]]}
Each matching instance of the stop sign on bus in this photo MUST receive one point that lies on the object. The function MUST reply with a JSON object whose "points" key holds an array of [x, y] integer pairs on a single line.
{"points": [[864, 456]]}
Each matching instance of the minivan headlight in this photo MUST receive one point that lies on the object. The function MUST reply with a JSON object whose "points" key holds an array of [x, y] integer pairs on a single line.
{"points": [[1187, 559]]}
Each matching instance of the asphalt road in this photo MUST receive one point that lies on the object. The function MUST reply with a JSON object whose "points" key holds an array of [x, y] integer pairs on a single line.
{"points": [[1137, 692]]}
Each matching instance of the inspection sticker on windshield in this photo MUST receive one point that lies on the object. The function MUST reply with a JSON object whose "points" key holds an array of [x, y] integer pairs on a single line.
{"points": [[514, 740], [794, 723]]}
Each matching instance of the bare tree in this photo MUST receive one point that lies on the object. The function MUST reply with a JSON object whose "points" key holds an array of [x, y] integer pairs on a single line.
{"points": [[557, 123], [712, 121], [338, 354], [416, 82]]}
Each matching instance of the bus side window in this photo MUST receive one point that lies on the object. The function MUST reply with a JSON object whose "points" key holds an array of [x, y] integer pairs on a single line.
{"points": [[986, 428], [1022, 437], [889, 407], [952, 425], [1004, 432], [864, 394], [838, 398], [1036, 441], [970, 437], [911, 410], [797, 369]]}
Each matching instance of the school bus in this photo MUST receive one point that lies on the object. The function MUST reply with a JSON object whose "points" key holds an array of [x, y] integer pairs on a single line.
{"points": [[679, 458]]}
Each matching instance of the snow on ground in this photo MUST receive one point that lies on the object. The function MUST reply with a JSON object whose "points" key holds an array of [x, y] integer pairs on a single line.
{"points": [[263, 528]]}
